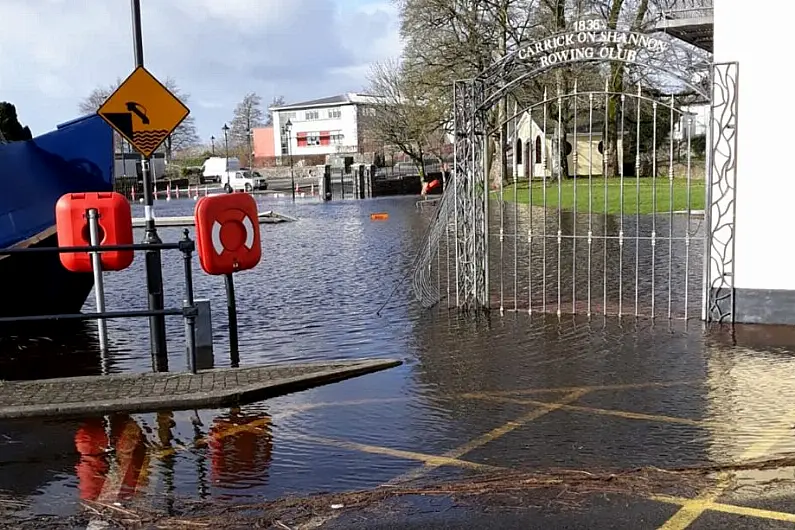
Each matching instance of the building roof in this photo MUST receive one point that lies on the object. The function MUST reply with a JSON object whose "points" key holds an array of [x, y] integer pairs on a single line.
{"points": [[350, 98]]}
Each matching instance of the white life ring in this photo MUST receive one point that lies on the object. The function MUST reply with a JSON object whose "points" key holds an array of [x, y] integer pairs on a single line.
{"points": [[218, 246]]}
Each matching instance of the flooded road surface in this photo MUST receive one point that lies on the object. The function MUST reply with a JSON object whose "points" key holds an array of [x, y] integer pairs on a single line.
{"points": [[477, 396]]}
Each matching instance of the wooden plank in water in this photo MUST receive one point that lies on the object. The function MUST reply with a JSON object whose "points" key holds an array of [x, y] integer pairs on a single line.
{"points": [[268, 217], [428, 202], [150, 392]]}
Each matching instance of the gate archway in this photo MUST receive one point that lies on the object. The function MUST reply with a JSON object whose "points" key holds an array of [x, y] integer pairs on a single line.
{"points": [[653, 238]]}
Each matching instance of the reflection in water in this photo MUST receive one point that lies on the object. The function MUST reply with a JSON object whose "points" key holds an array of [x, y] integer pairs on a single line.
{"points": [[127, 442], [47, 350], [651, 265], [750, 393], [240, 447]]}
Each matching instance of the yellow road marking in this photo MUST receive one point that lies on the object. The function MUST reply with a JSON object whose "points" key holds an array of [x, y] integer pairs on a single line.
{"points": [[492, 435], [430, 460], [693, 509], [544, 409], [594, 410], [591, 388], [729, 508], [690, 510]]}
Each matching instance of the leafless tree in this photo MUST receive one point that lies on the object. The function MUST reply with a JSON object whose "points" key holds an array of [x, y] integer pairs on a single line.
{"points": [[278, 101], [403, 116], [248, 115], [459, 39]]}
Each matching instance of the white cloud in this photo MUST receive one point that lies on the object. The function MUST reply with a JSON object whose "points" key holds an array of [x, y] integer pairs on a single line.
{"points": [[56, 51]]}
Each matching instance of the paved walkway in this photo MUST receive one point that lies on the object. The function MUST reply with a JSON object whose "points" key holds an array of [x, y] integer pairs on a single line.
{"points": [[148, 392]]}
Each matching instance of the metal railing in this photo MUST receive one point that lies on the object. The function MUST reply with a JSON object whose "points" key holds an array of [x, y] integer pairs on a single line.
{"points": [[681, 9], [189, 311]]}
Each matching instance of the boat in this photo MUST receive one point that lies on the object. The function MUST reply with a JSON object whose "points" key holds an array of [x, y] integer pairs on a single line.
{"points": [[77, 156]]}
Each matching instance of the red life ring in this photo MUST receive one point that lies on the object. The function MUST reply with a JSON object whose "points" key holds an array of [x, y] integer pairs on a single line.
{"points": [[115, 228], [227, 233]]}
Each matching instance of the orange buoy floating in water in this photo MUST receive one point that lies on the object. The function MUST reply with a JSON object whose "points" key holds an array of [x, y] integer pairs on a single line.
{"points": [[381, 216]]}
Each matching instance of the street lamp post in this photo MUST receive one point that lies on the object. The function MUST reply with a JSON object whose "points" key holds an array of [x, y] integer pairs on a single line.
{"points": [[250, 151], [225, 128], [154, 266], [288, 127], [212, 144]]}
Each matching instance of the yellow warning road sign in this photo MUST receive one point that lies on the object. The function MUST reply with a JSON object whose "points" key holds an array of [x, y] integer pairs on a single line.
{"points": [[143, 111]]}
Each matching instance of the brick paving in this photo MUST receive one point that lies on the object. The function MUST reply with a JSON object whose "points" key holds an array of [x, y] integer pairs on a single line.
{"points": [[147, 392]]}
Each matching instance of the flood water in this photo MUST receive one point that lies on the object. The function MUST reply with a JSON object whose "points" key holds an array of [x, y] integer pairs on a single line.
{"points": [[681, 395]]}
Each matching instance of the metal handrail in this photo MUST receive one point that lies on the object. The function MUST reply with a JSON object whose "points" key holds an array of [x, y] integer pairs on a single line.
{"points": [[189, 311], [692, 11], [182, 245]]}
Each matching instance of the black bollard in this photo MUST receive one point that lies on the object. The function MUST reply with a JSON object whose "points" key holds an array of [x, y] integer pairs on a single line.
{"points": [[361, 181], [371, 180], [234, 354], [342, 183], [327, 183]]}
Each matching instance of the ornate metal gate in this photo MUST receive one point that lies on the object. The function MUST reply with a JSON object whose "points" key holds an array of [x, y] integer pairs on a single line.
{"points": [[561, 233]]}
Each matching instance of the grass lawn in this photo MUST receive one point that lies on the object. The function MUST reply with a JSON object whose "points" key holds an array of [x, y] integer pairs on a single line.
{"points": [[643, 200]]}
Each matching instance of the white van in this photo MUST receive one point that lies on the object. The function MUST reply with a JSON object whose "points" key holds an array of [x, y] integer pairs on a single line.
{"points": [[243, 180], [214, 168]]}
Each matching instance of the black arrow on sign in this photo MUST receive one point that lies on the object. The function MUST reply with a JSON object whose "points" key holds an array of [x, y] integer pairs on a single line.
{"points": [[139, 110]]}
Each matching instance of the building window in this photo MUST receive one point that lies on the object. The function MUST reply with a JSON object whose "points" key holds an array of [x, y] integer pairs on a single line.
{"points": [[284, 116], [518, 150], [312, 138], [312, 115], [368, 111], [538, 157], [336, 139], [334, 114]]}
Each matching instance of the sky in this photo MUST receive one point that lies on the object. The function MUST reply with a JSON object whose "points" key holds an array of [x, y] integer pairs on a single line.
{"points": [[54, 52]]}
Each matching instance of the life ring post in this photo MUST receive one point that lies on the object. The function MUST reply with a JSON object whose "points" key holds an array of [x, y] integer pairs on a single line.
{"points": [[231, 307], [99, 286], [228, 241]]}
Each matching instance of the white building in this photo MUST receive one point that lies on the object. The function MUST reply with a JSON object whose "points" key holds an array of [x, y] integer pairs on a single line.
{"points": [[321, 126], [531, 142], [698, 118], [763, 259]]}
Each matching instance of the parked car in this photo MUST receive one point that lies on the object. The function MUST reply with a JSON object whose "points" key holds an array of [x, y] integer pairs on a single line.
{"points": [[243, 181]]}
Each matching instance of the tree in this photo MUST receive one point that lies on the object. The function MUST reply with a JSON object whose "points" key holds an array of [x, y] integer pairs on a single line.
{"points": [[403, 117], [458, 39], [183, 137], [10, 128], [248, 115], [278, 101]]}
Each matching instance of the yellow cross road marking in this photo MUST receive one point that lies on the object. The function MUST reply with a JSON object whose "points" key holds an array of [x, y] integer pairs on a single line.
{"points": [[691, 508], [430, 460], [492, 435], [728, 508], [694, 508], [591, 388], [593, 410]]}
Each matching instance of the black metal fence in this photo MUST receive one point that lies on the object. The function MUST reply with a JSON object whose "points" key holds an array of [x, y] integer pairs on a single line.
{"points": [[189, 311]]}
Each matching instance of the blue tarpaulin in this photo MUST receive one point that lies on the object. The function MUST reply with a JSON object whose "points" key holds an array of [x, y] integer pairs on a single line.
{"points": [[34, 174]]}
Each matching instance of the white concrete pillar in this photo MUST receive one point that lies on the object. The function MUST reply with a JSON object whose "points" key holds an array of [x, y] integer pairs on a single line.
{"points": [[764, 277]]}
